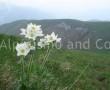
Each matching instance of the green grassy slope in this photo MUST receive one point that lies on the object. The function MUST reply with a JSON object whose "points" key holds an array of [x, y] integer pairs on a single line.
{"points": [[75, 70]]}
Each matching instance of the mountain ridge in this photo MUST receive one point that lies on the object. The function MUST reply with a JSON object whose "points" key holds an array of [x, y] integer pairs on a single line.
{"points": [[67, 29]]}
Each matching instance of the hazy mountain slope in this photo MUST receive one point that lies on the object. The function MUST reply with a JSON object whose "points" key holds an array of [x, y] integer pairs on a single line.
{"points": [[68, 30], [99, 29], [64, 26]]}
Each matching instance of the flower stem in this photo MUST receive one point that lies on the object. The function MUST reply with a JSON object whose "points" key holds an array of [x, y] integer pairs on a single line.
{"points": [[22, 70], [45, 58], [29, 71]]}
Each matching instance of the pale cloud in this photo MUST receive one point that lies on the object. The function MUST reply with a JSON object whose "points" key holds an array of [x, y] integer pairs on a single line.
{"points": [[59, 3], [64, 8]]}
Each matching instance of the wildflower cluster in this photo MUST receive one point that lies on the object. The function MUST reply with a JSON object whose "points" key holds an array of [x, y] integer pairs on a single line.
{"points": [[31, 32]]}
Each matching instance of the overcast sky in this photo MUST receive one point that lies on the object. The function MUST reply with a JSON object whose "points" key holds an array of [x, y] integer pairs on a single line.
{"points": [[74, 9]]}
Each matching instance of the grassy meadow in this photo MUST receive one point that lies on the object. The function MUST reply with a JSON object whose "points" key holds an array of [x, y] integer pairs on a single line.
{"points": [[64, 69]]}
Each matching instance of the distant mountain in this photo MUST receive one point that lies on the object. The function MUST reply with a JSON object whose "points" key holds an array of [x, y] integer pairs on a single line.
{"points": [[67, 29]]}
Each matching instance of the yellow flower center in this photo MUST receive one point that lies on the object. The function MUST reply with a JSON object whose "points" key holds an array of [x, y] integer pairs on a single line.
{"points": [[22, 50], [33, 29], [51, 38]]}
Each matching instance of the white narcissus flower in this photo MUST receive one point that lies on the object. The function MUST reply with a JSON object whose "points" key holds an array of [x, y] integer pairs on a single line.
{"points": [[22, 49], [30, 46], [42, 43], [52, 38], [48, 39], [32, 31]]}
